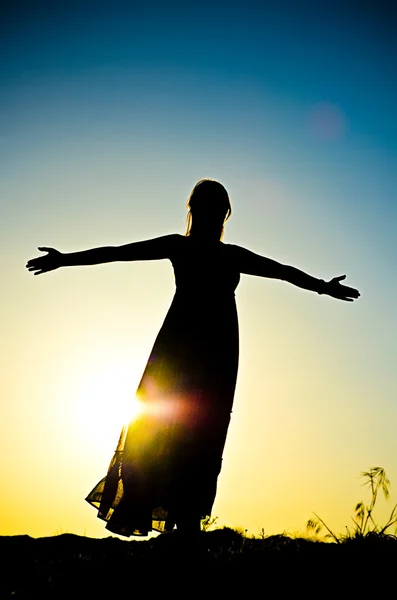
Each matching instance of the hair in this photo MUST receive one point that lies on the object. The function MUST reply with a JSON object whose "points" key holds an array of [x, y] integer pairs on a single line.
{"points": [[210, 202]]}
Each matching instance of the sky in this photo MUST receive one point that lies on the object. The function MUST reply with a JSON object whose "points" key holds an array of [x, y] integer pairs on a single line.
{"points": [[109, 114]]}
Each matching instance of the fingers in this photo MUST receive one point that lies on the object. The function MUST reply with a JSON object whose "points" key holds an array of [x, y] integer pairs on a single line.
{"points": [[32, 264], [40, 271], [347, 297], [38, 266], [39, 260], [341, 292], [32, 268], [350, 292]]}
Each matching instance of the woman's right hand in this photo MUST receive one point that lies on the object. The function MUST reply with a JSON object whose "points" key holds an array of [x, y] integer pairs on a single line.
{"points": [[43, 264]]}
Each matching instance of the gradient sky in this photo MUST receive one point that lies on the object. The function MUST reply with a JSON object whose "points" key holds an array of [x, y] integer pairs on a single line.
{"points": [[109, 114]]}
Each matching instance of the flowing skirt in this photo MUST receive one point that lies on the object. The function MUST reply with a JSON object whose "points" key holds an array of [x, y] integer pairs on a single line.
{"points": [[168, 459]]}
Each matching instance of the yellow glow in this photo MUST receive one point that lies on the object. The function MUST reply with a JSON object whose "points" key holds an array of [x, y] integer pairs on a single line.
{"points": [[106, 401], [103, 400]]}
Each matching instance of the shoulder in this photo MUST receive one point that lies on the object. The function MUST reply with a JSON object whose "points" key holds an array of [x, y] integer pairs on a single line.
{"points": [[234, 254], [231, 247], [233, 250], [239, 251], [176, 244], [171, 240], [176, 240]]}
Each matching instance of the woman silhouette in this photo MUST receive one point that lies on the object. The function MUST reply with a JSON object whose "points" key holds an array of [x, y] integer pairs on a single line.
{"points": [[165, 468]]}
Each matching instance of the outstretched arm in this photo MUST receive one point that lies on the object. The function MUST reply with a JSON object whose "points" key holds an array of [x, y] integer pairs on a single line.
{"points": [[254, 264], [155, 249]]}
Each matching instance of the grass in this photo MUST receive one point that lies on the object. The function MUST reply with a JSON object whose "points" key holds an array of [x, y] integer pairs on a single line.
{"points": [[364, 524], [225, 559]]}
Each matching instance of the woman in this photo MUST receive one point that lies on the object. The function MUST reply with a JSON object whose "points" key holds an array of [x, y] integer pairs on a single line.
{"points": [[164, 471]]}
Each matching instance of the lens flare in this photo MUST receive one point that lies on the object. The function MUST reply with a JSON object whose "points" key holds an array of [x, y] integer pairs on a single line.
{"points": [[327, 121]]}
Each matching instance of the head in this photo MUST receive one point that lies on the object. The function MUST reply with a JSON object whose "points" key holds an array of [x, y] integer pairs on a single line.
{"points": [[209, 208]]}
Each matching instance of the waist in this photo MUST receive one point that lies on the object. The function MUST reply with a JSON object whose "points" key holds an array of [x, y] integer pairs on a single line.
{"points": [[213, 294]]}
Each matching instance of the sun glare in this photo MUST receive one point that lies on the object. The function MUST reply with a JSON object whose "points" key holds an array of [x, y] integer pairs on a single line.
{"points": [[104, 401]]}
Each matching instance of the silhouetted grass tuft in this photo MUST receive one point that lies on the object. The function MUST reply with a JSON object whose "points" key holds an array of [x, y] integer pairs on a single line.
{"points": [[364, 522]]}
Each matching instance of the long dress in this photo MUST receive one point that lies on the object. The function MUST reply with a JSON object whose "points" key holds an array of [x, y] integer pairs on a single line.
{"points": [[168, 459]]}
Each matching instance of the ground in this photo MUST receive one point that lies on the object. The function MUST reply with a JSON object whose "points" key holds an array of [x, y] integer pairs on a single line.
{"points": [[221, 561]]}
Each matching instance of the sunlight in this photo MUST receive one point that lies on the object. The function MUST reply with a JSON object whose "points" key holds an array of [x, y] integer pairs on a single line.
{"points": [[104, 400], [108, 399]]}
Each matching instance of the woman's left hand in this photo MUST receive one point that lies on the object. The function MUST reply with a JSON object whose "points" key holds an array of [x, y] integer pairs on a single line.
{"points": [[335, 289]]}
